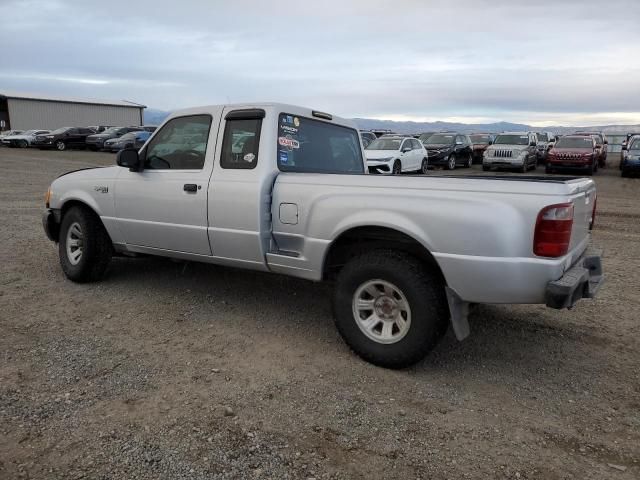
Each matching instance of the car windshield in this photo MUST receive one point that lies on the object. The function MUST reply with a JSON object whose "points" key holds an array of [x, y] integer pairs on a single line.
{"points": [[425, 136], [30, 132], [314, 146], [385, 144], [60, 130], [575, 142], [635, 145], [542, 137], [112, 130], [128, 136], [440, 139], [512, 140], [481, 139]]}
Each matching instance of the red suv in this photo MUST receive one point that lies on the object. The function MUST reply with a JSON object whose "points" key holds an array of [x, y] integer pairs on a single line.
{"points": [[574, 152], [601, 145]]}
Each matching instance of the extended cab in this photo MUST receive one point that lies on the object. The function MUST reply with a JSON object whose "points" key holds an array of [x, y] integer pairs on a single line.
{"points": [[284, 189]]}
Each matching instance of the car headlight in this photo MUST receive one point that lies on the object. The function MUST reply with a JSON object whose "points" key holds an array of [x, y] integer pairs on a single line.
{"points": [[386, 159]]}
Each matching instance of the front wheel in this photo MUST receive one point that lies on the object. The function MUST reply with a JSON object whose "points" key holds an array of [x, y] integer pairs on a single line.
{"points": [[397, 168], [469, 161], [389, 308], [85, 248], [23, 144], [60, 145], [424, 168], [451, 162]]}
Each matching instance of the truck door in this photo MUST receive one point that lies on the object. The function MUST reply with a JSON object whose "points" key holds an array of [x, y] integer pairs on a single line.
{"points": [[165, 205]]}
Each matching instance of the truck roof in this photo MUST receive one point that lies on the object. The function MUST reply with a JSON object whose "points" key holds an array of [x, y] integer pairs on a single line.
{"points": [[282, 107]]}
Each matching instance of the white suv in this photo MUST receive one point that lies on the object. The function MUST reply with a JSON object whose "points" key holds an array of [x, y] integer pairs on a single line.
{"points": [[396, 154]]}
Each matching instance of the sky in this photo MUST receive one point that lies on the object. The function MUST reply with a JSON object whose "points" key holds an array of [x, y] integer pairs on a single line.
{"points": [[542, 62]]}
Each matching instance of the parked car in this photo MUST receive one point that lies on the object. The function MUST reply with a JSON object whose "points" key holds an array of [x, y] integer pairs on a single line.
{"points": [[480, 142], [631, 162], [367, 137], [396, 154], [512, 150], [545, 141], [63, 138], [601, 142], [574, 152], [449, 149], [9, 133], [378, 132], [96, 141], [128, 140], [150, 128], [99, 128], [22, 140], [298, 202]]}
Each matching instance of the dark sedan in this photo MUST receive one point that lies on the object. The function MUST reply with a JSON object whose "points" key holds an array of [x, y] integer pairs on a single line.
{"points": [[63, 138], [128, 140], [449, 150], [96, 141]]}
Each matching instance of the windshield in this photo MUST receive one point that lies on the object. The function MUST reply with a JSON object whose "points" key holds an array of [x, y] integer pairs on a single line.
{"points": [[512, 140], [635, 145], [60, 130], [425, 136], [314, 146], [113, 130], [440, 139], [480, 139], [128, 136], [542, 137], [385, 144], [575, 142]]}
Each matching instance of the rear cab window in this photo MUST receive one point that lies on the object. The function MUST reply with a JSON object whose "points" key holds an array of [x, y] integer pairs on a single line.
{"points": [[313, 146]]}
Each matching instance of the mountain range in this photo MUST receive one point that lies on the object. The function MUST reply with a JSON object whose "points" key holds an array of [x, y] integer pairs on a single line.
{"points": [[153, 116]]}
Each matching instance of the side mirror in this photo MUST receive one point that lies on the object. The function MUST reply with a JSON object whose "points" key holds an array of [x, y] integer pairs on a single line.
{"points": [[624, 145], [129, 158]]}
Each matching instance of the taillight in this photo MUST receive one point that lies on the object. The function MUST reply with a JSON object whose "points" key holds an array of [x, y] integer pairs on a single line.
{"points": [[593, 213], [553, 230]]}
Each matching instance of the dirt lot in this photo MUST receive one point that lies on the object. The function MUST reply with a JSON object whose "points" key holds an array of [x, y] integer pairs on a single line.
{"points": [[180, 370]]}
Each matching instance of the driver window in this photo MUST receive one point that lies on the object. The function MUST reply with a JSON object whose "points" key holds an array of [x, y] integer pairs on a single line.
{"points": [[180, 145]]}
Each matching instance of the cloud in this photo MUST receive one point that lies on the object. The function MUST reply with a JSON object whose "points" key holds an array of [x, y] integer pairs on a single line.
{"points": [[417, 59]]}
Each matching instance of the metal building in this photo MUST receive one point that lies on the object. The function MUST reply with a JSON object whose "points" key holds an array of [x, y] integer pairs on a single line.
{"points": [[24, 111]]}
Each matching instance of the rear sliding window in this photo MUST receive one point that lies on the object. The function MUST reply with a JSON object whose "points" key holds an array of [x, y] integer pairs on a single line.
{"points": [[312, 146]]}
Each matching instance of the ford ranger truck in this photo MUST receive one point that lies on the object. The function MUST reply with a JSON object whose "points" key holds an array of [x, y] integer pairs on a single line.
{"points": [[284, 189]]}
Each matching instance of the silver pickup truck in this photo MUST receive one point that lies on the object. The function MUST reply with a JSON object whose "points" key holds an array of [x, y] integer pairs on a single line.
{"points": [[284, 189]]}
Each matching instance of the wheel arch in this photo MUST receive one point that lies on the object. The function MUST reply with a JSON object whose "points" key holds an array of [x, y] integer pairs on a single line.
{"points": [[76, 202], [367, 237]]}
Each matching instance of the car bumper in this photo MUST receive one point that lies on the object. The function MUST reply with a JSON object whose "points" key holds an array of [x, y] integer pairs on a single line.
{"points": [[438, 160], [42, 144], [503, 162], [569, 165], [379, 167], [51, 223], [631, 165], [95, 145], [583, 280]]}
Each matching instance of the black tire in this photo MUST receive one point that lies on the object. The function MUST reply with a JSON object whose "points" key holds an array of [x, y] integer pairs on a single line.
{"points": [[397, 168], [451, 162], [548, 169], [486, 168], [424, 168], [624, 173], [60, 145], [469, 161], [23, 144], [96, 246], [589, 171], [424, 293]]}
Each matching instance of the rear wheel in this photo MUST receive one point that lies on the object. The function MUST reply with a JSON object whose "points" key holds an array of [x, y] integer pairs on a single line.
{"points": [[397, 167], [390, 309], [23, 144], [85, 248], [424, 168], [60, 145]]}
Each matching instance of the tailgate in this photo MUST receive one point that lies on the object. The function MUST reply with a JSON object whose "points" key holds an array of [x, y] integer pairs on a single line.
{"points": [[583, 202]]}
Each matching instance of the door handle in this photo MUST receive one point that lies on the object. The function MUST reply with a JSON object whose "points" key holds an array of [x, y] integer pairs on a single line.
{"points": [[190, 187]]}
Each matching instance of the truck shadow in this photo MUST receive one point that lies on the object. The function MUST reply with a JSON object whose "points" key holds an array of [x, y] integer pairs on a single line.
{"points": [[514, 340]]}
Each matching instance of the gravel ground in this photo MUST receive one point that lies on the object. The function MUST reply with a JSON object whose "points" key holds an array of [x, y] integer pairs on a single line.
{"points": [[182, 370]]}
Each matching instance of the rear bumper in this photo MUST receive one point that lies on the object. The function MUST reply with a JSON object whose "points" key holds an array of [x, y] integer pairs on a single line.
{"points": [[583, 280], [51, 223]]}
